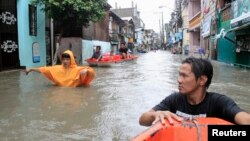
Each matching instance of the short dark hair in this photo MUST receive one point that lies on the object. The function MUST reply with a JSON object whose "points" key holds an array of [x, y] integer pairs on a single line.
{"points": [[65, 55], [200, 67], [98, 47], [123, 43]]}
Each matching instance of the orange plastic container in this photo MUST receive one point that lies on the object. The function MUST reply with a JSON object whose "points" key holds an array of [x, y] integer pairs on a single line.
{"points": [[187, 130]]}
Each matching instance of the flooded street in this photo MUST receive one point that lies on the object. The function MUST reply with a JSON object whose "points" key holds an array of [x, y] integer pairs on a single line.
{"points": [[31, 109]]}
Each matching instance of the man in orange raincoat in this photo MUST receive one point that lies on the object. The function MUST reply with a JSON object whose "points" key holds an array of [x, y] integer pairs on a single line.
{"points": [[68, 74]]}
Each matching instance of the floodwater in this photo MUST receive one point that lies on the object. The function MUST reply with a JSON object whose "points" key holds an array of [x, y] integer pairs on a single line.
{"points": [[31, 109]]}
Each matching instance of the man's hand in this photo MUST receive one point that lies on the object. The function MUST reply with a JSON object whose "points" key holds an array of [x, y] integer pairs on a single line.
{"points": [[27, 71], [162, 115], [152, 117], [84, 71]]}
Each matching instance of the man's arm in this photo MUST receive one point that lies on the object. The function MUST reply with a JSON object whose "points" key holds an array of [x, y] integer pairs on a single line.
{"points": [[27, 71], [83, 74], [100, 56], [152, 116], [242, 118]]}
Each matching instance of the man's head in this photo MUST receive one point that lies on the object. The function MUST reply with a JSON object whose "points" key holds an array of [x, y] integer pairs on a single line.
{"points": [[123, 45], [66, 60], [194, 72], [98, 48]]}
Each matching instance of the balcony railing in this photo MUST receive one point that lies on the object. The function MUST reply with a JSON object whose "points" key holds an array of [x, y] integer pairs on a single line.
{"points": [[195, 21]]}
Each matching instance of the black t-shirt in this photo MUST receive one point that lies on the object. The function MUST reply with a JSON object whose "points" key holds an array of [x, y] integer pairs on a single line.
{"points": [[214, 105], [96, 55], [123, 50]]}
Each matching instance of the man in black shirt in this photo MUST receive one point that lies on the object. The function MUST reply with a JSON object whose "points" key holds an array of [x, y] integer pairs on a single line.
{"points": [[123, 51], [97, 54], [193, 100]]}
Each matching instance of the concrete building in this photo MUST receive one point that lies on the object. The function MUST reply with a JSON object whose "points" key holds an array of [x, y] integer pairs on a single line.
{"points": [[185, 25], [22, 35], [134, 15], [208, 28]]}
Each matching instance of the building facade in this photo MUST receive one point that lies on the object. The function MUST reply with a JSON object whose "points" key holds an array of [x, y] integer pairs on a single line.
{"points": [[22, 35]]}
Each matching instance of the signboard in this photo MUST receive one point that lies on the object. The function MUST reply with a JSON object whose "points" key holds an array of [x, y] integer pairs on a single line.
{"points": [[178, 36], [36, 52], [240, 12]]}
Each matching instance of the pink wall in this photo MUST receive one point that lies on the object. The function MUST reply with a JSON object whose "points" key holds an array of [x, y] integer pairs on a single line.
{"points": [[194, 41], [193, 8]]}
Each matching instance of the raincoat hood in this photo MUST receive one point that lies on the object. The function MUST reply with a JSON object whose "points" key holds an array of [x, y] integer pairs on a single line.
{"points": [[72, 58]]}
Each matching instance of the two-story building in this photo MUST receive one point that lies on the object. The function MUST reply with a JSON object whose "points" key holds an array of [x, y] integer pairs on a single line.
{"points": [[132, 17], [116, 31]]}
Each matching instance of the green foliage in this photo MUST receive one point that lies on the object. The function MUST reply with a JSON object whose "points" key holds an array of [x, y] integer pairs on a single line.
{"points": [[77, 11]]}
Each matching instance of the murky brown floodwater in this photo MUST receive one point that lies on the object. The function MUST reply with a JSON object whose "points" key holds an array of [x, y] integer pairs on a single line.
{"points": [[31, 109]]}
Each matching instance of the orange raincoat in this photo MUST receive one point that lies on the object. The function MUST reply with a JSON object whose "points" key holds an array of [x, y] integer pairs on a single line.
{"points": [[68, 77]]}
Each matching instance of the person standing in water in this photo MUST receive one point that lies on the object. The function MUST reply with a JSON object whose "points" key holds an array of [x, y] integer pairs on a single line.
{"points": [[68, 74]]}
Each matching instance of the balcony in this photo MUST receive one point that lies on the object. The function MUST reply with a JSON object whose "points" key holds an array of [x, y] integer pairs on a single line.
{"points": [[194, 22]]}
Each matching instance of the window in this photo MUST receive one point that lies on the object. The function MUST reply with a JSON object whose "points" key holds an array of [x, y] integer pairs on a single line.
{"points": [[32, 20]]}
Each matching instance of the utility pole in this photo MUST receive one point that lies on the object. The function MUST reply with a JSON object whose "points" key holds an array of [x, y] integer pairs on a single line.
{"points": [[163, 40], [162, 25], [160, 30]]}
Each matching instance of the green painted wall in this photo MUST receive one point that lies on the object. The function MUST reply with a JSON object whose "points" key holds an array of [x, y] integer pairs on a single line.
{"points": [[226, 49], [243, 58]]}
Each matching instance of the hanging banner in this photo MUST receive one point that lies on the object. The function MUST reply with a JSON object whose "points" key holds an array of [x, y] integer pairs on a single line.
{"points": [[206, 24]]}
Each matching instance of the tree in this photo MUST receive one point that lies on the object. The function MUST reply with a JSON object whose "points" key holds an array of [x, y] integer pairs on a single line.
{"points": [[70, 14]]}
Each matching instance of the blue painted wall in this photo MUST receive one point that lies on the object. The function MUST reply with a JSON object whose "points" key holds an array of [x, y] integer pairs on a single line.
{"points": [[26, 41]]}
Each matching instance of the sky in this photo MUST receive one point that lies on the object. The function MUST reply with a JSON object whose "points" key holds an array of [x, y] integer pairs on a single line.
{"points": [[149, 10]]}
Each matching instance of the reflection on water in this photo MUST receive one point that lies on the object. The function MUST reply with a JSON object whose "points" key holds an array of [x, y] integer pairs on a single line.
{"points": [[232, 81], [33, 109]]}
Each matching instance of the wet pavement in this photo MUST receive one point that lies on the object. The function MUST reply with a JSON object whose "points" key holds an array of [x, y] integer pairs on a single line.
{"points": [[31, 109]]}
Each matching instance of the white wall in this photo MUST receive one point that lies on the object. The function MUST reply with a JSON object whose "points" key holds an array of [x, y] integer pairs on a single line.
{"points": [[88, 48]]}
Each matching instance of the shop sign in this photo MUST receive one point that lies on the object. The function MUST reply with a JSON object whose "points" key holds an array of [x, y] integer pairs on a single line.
{"points": [[240, 13]]}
